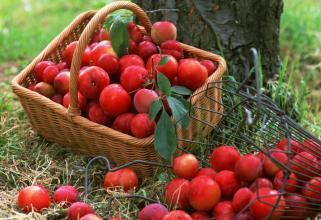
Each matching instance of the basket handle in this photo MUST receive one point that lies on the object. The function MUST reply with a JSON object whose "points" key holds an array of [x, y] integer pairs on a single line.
{"points": [[84, 39]]}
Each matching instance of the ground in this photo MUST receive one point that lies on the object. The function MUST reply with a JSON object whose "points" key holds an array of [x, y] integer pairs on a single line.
{"points": [[27, 26]]}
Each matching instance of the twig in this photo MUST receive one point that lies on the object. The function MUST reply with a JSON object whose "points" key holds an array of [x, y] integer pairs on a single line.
{"points": [[162, 9]]}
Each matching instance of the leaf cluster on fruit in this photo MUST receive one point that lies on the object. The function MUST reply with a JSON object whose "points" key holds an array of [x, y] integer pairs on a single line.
{"points": [[116, 24], [165, 134]]}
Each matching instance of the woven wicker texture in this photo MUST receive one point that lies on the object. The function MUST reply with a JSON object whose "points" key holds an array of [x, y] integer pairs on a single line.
{"points": [[69, 129]]}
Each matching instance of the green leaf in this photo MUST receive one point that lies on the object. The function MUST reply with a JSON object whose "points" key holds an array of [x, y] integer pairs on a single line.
{"points": [[125, 15], [179, 111], [109, 21], [184, 122], [163, 60], [165, 137], [155, 108], [187, 105], [181, 90], [128, 19], [163, 84], [119, 37], [190, 109]]}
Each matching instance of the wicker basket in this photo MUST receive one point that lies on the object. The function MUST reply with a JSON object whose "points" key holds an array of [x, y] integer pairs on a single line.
{"points": [[69, 128]]}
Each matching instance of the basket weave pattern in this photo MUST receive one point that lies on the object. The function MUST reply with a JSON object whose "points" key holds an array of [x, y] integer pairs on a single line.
{"points": [[70, 129]]}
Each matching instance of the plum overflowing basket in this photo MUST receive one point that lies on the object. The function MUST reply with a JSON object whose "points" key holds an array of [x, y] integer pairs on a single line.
{"points": [[70, 129]]}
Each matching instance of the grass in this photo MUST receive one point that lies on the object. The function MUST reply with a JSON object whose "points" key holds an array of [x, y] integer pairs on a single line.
{"points": [[27, 26], [301, 47], [300, 26], [26, 158]]}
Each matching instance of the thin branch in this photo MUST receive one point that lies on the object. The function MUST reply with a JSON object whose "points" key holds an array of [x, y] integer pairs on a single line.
{"points": [[162, 9]]}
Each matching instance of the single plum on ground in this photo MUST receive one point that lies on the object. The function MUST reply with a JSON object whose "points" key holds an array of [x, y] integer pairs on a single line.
{"points": [[125, 178], [185, 166], [224, 158], [34, 197], [153, 211]]}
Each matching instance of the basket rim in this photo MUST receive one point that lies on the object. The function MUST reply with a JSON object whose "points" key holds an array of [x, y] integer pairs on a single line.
{"points": [[21, 91]]}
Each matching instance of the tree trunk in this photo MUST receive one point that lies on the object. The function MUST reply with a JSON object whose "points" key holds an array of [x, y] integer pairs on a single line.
{"points": [[227, 27]]}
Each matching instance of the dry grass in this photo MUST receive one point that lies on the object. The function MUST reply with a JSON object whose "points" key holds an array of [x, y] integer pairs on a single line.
{"points": [[26, 159]]}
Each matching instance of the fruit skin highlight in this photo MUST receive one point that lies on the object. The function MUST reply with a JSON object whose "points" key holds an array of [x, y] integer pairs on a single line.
{"points": [[169, 69], [58, 98], [134, 78], [78, 210], [224, 158], [92, 81], [108, 63], [248, 167], [34, 197], [177, 215], [207, 172], [271, 168], [185, 166], [40, 67], [130, 60], [96, 114], [141, 126], [204, 193], [145, 49], [296, 205], [261, 183], [162, 31], [224, 210], [291, 183], [303, 165], [134, 32], [200, 216], [70, 50], [153, 211], [143, 99], [50, 73], [122, 123], [103, 47], [45, 89], [228, 182], [312, 189], [125, 178], [115, 100], [172, 47], [90, 216], [66, 195], [241, 198], [177, 192], [283, 145], [82, 102], [61, 82], [263, 206], [210, 66], [191, 74]]}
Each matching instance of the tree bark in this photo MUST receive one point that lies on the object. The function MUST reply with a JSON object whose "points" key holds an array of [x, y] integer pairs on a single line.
{"points": [[227, 27]]}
